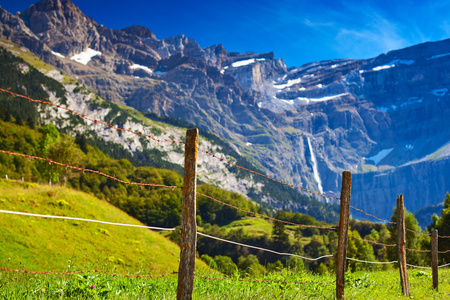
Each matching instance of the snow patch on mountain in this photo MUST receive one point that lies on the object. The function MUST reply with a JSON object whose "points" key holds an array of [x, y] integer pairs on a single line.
{"points": [[58, 54], [438, 56], [246, 62], [380, 156], [290, 83], [439, 92], [278, 105], [136, 66], [393, 64], [85, 56]]}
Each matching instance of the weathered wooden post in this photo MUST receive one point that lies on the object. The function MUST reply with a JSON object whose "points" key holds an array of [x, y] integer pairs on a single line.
{"points": [[188, 218], [401, 243], [434, 258], [343, 233]]}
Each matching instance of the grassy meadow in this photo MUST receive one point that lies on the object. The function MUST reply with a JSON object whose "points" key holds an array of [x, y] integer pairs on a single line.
{"points": [[39, 244], [359, 285]]}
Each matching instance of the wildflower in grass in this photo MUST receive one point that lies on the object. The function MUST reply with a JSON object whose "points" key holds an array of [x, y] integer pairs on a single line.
{"points": [[92, 286], [43, 290]]}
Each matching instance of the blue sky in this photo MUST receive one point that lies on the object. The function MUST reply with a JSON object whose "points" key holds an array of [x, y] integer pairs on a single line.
{"points": [[298, 31]]}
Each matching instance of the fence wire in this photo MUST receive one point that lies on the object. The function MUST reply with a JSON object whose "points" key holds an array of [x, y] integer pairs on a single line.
{"points": [[212, 237], [263, 216], [416, 250], [443, 266], [419, 233], [89, 119], [87, 170], [419, 267], [84, 271], [160, 141], [263, 280], [373, 262], [372, 242], [84, 220], [373, 216], [262, 249], [268, 177]]}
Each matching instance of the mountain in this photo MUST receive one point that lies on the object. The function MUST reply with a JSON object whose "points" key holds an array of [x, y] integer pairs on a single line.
{"points": [[23, 73], [381, 118], [424, 214]]}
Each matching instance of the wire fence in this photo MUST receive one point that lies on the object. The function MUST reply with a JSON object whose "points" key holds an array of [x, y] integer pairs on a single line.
{"points": [[83, 272], [372, 242], [264, 216], [87, 170], [95, 121], [207, 196]]}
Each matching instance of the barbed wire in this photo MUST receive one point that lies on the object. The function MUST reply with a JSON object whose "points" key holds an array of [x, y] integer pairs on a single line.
{"points": [[89, 119], [266, 176], [264, 280], [263, 216], [372, 242], [85, 271], [87, 170], [443, 252], [262, 249], [84, 220], [444, 236], [370, 215], [160, 141], [419, 233]]}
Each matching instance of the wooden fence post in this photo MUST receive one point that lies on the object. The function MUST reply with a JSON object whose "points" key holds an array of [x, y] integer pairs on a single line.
{"points": [[434, 258], [188, 218], [401, 243], [343, 233]]}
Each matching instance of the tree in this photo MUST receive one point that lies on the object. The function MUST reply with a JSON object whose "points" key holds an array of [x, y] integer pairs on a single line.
{"points": [[280, 238], [225, 265], [413, 240], [359, 250], [443, 227], [250, 265], [80, 139], [64, 151]]}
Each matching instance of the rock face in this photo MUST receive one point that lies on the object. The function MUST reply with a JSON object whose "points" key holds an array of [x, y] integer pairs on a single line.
{"points": [[384, 118]]}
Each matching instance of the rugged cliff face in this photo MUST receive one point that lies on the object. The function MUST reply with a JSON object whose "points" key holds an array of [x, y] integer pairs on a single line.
{"points": [[383, 118]]}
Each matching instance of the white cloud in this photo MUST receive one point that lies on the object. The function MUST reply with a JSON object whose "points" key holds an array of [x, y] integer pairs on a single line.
{"points": [[378, 36]]}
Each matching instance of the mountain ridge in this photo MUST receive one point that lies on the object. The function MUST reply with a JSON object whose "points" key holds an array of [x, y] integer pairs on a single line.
{"points": [[338, 111]]}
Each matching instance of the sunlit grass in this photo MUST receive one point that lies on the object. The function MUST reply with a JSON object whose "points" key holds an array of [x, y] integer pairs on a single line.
{"points": [[47, 244], [282, 285]]}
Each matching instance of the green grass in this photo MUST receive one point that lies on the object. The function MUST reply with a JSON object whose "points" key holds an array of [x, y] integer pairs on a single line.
{"points": [[40, 244], [282, 285], [251, 226], [255, 226]]}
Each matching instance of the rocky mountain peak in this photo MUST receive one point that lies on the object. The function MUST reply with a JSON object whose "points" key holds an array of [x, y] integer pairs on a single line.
{"points": [[139, 31], [61, 25], [380, 116]]}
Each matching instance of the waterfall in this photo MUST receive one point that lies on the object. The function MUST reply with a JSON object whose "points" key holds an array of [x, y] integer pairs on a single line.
{"points": [[315, 169]]}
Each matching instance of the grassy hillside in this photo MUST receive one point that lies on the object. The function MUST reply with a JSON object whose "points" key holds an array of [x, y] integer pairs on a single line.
{"points": [[47, 244]]}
